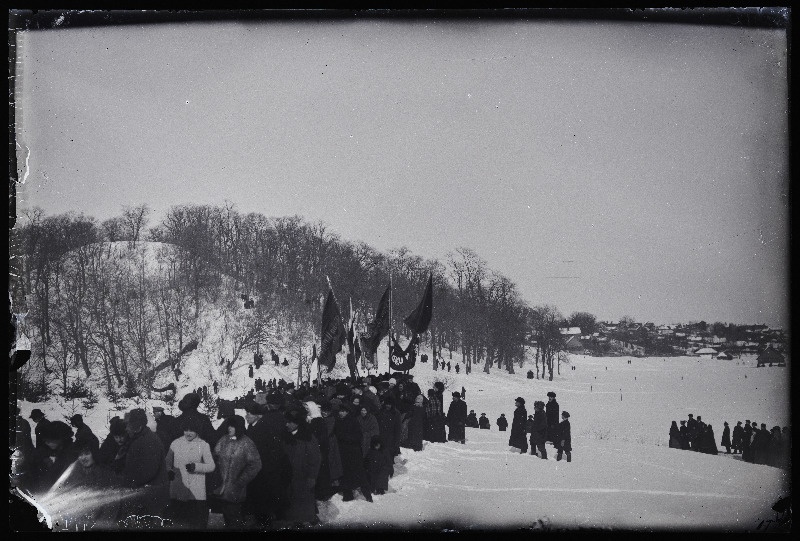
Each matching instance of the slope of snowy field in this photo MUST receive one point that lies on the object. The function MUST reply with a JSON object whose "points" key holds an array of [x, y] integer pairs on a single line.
{"points": [[622, 475]]}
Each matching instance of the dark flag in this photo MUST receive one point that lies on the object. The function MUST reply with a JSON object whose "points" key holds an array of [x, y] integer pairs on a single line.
{"points": [[403, 360], [333, 333], [351, 357], [420, 318], [379, 327]]}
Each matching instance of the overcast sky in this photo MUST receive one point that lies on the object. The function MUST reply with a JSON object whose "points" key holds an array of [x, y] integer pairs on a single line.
{"points": [[618, 168]]}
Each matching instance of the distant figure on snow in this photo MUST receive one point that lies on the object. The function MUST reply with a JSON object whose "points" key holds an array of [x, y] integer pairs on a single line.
{"points": [[457, 368], [483, 422], [726, 438], [552, 417], [675, 436], [456, 419], [564, 443], [517, 438], [502, 422], [448, 366], [472, 419]]}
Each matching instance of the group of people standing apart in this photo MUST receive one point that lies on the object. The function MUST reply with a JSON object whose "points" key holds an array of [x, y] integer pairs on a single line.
{"points": [[756, 445], [293, 448], [543, 426]]}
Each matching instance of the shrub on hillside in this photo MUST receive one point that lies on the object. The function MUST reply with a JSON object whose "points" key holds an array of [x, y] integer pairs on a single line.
{"points": [[33, 390], [76, 389]]}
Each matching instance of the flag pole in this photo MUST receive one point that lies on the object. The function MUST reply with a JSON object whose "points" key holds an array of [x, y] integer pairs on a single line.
{"points": [[391, 320]]}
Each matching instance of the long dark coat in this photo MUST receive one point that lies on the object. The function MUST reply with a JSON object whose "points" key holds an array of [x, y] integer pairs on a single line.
{"points": [[502, 424], [675, 437], [389, 424], [564, 442], [167, 429], [378, 469], [323, 488], [539, 428], [416, 426], [456, 420], [552, 410], [726, 437], [267, 492], [40, 426], [349, 437], [518, 438], [304, 455], [737, 436], [145, 468]]}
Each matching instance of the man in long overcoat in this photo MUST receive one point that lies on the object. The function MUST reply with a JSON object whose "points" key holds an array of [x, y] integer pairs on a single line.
{"points": [[553, 419], [517, 438], [457, 419]]}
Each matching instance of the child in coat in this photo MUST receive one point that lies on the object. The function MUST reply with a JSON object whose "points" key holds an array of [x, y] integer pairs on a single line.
{"points": [[377, 461], [565, 438]]}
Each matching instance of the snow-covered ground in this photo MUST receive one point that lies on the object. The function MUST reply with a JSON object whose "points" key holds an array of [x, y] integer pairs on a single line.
{"points": [[622, 474]]}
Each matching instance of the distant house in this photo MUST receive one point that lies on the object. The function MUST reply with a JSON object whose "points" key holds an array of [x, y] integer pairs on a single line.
{"points": [[570, 331], [718, 339], [725, 356], [706, 353], [770, 357]]}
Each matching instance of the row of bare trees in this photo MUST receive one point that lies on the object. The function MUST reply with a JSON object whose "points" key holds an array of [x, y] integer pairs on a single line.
{"points": [[98, 304]]}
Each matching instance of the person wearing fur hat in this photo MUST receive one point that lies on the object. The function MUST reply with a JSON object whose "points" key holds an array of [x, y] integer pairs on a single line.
{"points": [[266, 494], [457, 419], [188, 406], [349, 438], [55, 456], [517, 438], [238, 462], [565, 438], [539, 430], [551, 410], [188, 461], [144, 469], [305, 457]]}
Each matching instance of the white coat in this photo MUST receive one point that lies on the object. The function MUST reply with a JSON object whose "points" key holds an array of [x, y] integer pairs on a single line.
{"points": [[189, 486]]}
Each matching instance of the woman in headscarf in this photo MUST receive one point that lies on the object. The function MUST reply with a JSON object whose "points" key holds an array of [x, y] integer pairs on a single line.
{"points": [[674, 436]]}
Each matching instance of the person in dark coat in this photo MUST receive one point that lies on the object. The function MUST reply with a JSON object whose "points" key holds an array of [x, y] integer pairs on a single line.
{"points": [[114, 447], [41, 423], [747, 437], [416, 425], [458, 368], [726, 438], [250, 371], [552, 417], [517, 438], [216, 387], [502, 422], [390, 428], [761, 444], [483, 422], [434, 418], [448, 366], [166, 426], [302, 449], [472, 419], [83, 434], [691, 429], [675, 436], [330, 467], [737, 438], [56, 454], [349, 438], [708, 443], [457, 419], [378, 466], [564, 444], [699, 435], [774, 456], [188, 406], [145, 469], [539, 430], [684, 433], [267, 492]]}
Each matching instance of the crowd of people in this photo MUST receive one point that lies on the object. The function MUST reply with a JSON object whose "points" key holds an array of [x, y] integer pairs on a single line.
{"points": [[543, 427], [756, 445], [293, 447]]}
